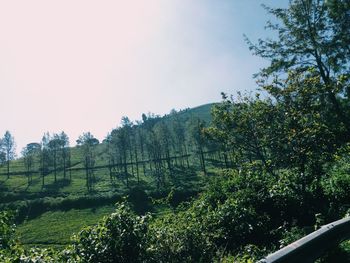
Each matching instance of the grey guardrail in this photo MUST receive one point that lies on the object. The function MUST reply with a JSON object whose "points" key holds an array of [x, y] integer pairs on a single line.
{"points": [[312, 246]]}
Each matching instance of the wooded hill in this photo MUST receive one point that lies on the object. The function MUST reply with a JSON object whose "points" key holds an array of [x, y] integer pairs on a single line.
{"points": [[268, 169], [151, 146], [154, 154]]}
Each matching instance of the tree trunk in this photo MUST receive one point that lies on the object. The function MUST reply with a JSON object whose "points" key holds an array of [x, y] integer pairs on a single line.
{"points": [[8, 169]]}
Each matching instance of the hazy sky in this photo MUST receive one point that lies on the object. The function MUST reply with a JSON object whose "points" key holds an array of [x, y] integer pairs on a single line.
{"points": [[80, 65]]}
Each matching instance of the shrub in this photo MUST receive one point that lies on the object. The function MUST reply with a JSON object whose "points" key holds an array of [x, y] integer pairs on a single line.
{"points": [[120, 237], [179, 238], [7, 230], [337, 184]]}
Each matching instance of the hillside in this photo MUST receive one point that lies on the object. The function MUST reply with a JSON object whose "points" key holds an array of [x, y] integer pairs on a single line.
{"points": [[184, 192], [267, 169], [202, 112], [40, 197]]}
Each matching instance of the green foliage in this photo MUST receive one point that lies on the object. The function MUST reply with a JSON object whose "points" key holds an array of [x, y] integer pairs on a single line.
{"points": [[249, 254], [6, 230], [337, 184], [11, 251], [179, 238], [288, 154], [224, 218], [117, 238], [236, 218], [310, 32], [291, 235]]}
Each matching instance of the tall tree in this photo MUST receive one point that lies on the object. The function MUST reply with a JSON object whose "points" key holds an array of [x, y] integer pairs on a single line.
{"points": [[65, 152], [117, 148], [179, 137], [111, 154], [291, 129], [87, 142], [198, 139], [311, 34], [122, 144], [2, 154], [153, 146], [29, 153], [134, 145], [54, 147], [59, 153], [148, 122], [9, 146], [127, 126], [245, 125], [45, 157], [141, 137]]}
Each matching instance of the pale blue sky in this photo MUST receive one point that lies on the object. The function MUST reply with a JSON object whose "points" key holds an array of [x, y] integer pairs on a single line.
{"points": [[80, 65]]}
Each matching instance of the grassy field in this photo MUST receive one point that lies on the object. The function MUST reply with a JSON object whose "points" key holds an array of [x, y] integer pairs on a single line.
{"points": [[18, 183], [49, 213], [55, 228]]}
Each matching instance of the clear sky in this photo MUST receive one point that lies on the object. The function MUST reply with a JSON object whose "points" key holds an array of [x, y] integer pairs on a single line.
{"points": [[80, 65]]}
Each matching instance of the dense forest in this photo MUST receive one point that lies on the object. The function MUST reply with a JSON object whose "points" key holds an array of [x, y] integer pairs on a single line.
{"points": [[261, 171]]}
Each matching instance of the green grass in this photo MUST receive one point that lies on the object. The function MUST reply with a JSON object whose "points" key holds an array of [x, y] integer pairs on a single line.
{"points": [[18, 187], [56, 228], [53, 212], [77, 186]]}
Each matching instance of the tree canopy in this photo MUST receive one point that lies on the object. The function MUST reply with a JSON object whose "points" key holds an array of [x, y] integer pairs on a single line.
{"points": [[311, 34]]}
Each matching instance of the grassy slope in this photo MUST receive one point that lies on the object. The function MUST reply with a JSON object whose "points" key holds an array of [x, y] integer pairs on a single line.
{"points": [[62, 224], [56, 227], [18, 183], [202, 112]]}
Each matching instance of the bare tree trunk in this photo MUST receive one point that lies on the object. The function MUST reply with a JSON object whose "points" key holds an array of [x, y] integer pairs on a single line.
{"points": [[87, 173], [202, 160], [8, 169], [55, 167], [186, 152], [64, 166], [126, 170], [137, 165]]}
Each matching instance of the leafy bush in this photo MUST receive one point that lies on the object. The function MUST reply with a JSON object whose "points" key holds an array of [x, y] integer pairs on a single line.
{"points": [[179, 238], [11, 251], [119, 237], [249, 254], [241, 216], [224, 218], [6, 230], [337, 184]]}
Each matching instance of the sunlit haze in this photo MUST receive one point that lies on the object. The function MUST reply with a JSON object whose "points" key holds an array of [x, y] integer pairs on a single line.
{"points": [[80, 65]]}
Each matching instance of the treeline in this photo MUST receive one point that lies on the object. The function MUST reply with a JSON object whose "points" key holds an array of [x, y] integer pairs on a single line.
{"points": [[155, 146], [51, 155]]}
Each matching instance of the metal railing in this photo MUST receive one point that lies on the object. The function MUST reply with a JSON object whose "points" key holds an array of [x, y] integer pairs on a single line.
{"points": [[312, 246]]}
